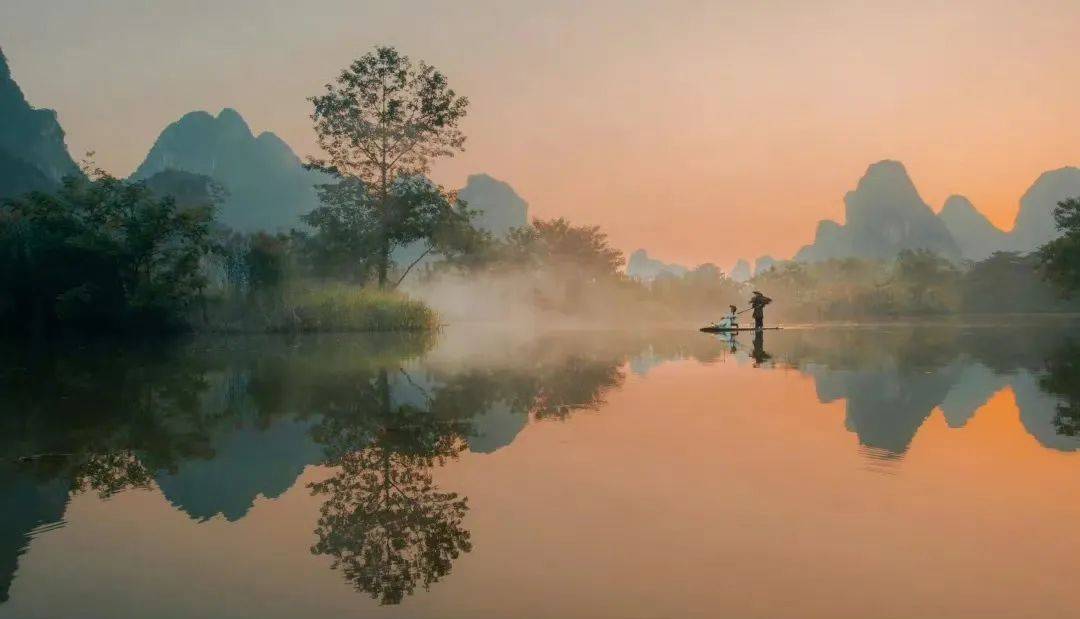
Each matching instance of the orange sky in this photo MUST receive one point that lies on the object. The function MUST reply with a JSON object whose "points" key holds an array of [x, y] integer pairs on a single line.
{"points": [[703, 131]]}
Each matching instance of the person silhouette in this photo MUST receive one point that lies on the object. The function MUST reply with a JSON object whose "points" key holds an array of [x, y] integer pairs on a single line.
{"points": [[758, 302]]}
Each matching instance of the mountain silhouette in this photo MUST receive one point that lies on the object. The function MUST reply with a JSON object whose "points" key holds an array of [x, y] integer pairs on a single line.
{"points": [[26, 505], [18, 176], [642, 267], [763, 263], [1035, 220], [883, 216], [741, 271], [499, 210], [186, 188], [500, 207], [976, 236], [248, 462], [33, 155], [266, 186]]}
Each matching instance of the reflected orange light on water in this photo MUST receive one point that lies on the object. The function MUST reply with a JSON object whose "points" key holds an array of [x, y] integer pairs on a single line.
{"points": [[696, 489]]}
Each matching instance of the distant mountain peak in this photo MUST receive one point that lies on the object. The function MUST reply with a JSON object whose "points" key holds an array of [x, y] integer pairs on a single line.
{"points": [[501, 208], [741, 272], [1034, 223], [641, 266], [5, 70], [976, 236], [763, 263], [959, 204], [886, 170], [30, 138], [233, 121], [265, 184], [884, 215]]}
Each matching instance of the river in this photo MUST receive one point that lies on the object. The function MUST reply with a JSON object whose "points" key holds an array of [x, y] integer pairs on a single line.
{"points": [[918, 470]]}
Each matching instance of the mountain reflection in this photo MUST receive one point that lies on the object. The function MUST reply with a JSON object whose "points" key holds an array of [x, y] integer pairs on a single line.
{"points": [[215, 425], [891, 379]]}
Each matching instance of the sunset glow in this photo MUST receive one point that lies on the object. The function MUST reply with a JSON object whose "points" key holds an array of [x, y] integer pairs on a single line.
{"points": [[654, 120]]}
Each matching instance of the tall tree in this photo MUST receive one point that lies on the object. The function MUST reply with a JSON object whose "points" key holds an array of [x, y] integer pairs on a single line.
{"points": [[381, 125]]}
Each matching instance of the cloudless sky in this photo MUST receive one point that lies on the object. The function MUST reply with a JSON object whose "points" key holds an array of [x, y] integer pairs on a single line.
{"points": [[702, 131]]}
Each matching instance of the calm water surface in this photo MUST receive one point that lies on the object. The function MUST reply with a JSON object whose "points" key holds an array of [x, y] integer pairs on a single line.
{"points": [[898, 471]]}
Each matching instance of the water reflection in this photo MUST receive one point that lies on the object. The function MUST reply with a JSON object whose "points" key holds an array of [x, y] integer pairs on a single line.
{"points": [[215, 425], [891, 380], [1063, 380], [384, 521]]}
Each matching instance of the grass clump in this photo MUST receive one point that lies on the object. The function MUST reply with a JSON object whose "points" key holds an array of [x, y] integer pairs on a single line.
{"points": [[341, 307], [327, 307]]}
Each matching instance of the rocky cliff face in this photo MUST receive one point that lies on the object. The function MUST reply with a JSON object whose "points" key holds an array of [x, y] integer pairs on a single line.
{"points": [[18, 177], [974, 234], [1035, 220], [266, 186], [33, 154], [830, 241], [883, 216]]}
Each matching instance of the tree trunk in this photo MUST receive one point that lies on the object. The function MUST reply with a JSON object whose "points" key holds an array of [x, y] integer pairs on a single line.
{"points": [[384, 215], [384, 262]]}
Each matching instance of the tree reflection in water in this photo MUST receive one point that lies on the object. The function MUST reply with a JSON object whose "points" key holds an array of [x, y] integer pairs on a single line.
{"points": [[387, 525], [385, 522], [1062, 379]]}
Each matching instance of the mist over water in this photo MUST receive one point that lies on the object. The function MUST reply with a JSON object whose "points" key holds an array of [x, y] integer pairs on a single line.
{"points": [[653, 473]]}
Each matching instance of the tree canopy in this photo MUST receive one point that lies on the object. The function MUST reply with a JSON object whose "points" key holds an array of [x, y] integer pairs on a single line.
{"points": [[102, 254], [1060, 258]]}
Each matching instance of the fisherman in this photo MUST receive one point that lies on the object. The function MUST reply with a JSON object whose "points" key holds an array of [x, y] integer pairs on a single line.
{"points": [[758, 302]]}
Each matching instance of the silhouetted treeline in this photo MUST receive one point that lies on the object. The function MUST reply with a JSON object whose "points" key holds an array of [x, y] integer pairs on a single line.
{"points": [[100, 254], [572, 270]]}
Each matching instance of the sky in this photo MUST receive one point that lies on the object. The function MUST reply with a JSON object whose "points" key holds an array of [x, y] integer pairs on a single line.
{"points": [[701, 131]]}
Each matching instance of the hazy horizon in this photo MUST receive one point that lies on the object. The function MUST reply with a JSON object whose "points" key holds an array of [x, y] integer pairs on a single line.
{"points": [[648, 119]]}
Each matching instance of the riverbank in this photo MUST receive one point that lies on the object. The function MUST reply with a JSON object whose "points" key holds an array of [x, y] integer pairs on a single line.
{"points": [[318, 307]]}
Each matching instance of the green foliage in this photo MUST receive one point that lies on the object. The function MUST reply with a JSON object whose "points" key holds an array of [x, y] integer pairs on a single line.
{"points": [[349, 308], [380, 126], [1060, 258], [915, 283], [316, 306], [556, 244], [354, 228], [100, 254], [1062, 379], [1010, 282], [705, 288], [926, 282], [267, 261]]}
